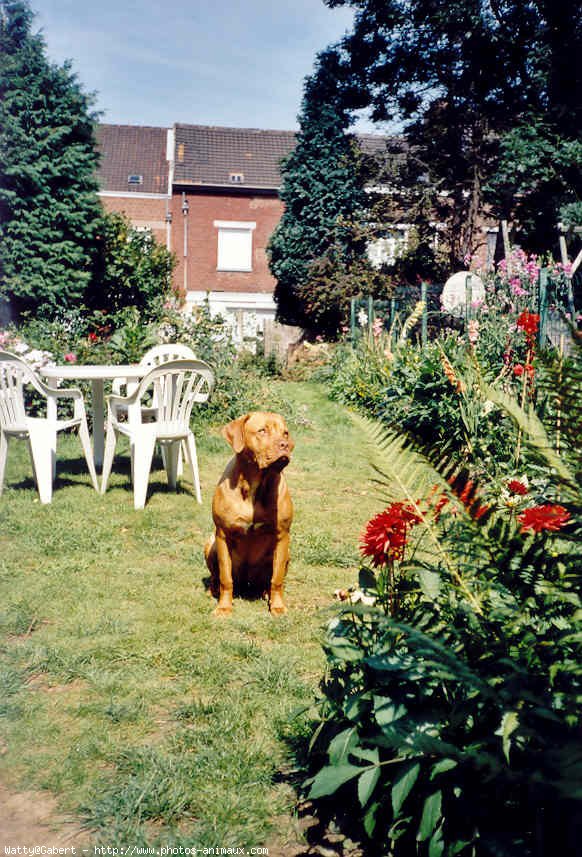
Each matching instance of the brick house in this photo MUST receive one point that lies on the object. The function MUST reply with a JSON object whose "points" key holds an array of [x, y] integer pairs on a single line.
{"points": [[211, 195], [225, 207], [134, 175]]}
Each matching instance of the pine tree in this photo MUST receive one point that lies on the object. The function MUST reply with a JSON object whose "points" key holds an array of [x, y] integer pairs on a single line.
{"points": [[49, 209], [317, 252]]}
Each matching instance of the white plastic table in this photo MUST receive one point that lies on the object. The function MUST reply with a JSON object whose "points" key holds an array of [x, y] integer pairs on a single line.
{"points": [[131, 373]]}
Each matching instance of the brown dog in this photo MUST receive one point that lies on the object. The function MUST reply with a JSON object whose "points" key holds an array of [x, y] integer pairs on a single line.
{"points": [[252, 512]]}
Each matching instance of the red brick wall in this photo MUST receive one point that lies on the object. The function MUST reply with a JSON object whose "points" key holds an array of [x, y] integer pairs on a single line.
{"points": [[150, 213], [202, 235]]}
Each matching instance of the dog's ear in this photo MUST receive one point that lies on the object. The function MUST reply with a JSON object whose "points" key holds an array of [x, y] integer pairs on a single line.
{"points": [[234, 433]]}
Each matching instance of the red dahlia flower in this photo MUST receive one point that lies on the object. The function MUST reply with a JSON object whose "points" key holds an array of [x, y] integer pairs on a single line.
{"points": [[385, 536], [547, 517], [515, 486]]}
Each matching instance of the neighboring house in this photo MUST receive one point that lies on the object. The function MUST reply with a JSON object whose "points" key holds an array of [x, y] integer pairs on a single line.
{"points": [[134, 175], [212, 196]]}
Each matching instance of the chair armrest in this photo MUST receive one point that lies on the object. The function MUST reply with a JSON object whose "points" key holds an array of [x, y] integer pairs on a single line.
{"points": [[114, 402], [62, 392], [68, 393]]}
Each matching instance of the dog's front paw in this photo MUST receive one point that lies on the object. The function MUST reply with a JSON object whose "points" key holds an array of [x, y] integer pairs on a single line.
{"points": [[278, 611], [277, 605], [222, 612]]}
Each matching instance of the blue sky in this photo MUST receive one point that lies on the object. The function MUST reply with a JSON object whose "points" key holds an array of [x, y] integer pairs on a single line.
{"points": [[208, 62]]}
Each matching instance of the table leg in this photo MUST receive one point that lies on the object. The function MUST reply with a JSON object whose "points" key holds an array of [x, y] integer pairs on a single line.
{"points": [[98, 421]]}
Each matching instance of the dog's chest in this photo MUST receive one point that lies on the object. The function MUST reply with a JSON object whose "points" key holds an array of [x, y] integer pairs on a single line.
{"points": [[256, 510]]}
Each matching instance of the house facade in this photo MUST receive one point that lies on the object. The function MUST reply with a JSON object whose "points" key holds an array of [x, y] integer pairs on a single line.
{"points": [[212, 196]]}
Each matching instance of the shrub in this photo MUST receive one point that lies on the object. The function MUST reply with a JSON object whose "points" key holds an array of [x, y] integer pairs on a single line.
{"points": [[450, 710]]}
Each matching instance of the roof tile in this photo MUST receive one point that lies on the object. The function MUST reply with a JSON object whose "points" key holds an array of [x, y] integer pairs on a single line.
{"points": [[132, 150], [213, 156]]}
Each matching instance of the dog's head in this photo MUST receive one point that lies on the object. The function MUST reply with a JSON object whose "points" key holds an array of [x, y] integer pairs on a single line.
{"points": [[261, 437]]}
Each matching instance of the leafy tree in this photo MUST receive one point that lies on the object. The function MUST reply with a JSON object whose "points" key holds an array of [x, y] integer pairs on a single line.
{"points": [[539, 181], [460, 75], [317, 252], [133, 269], [49, 209]]}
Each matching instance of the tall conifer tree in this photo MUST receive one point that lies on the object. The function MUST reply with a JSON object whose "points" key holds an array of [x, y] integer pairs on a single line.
{"points": [[49, 209], [317, 253]]}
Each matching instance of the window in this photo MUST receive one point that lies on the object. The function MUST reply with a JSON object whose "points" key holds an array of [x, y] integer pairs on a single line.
{"points": [[236, 178], [235, 245], [135, 179]]}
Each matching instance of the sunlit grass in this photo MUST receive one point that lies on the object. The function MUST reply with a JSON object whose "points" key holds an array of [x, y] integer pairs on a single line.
{"points": [[119, 690]]}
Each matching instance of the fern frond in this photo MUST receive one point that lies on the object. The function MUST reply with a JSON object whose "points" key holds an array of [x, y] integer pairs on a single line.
{"points": [[559, 383], [534, 433], [405, 474]]}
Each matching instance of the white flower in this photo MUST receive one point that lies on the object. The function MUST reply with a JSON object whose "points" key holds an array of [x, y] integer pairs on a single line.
{"points": [[362, 318], [20, 347]]}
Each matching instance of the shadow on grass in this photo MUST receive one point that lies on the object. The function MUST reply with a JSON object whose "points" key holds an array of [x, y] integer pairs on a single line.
{"points": [[328, 825]]}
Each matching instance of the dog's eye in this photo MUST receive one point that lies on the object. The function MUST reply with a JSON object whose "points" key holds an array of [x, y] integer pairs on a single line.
{"points": [[262, 431]]}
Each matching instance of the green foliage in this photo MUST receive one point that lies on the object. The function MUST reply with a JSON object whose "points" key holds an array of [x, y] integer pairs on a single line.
{"points": [[406, 387], [542, 171], [456, 724], [49, 210], [131, 338], [135, 270], [459, 76], [317, 251]]}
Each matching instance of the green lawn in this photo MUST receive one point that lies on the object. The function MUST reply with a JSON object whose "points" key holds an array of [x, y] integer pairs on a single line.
{"points": [[120, 693]]}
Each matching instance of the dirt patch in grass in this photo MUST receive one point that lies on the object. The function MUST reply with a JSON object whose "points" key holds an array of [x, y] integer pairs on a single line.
{"points": [[32, 818]]}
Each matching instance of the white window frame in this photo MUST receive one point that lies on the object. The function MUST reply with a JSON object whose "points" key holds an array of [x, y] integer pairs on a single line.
{"points": [[226, 228]]}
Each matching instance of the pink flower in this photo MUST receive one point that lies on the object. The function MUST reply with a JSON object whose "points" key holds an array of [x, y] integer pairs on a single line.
{"points": [[473, 331], [517, 291], [70, 357]]}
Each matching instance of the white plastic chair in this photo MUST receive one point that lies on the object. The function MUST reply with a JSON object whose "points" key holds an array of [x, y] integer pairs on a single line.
{"points": [[40, 432], [155, 357], [175, 386]]}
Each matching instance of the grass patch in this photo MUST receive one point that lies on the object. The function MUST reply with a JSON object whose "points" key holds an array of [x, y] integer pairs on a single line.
{"points": [[120, 692]]}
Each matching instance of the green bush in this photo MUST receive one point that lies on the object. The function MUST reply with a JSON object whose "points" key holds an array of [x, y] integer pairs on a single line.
{"points": [[450, 711], [134, 270]]}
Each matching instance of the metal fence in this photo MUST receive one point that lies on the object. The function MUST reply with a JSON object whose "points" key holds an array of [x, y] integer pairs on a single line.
{"points": [[552, 300]]}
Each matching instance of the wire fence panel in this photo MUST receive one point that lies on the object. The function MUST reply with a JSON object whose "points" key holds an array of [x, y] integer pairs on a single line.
{"points": [[550, 298]]}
